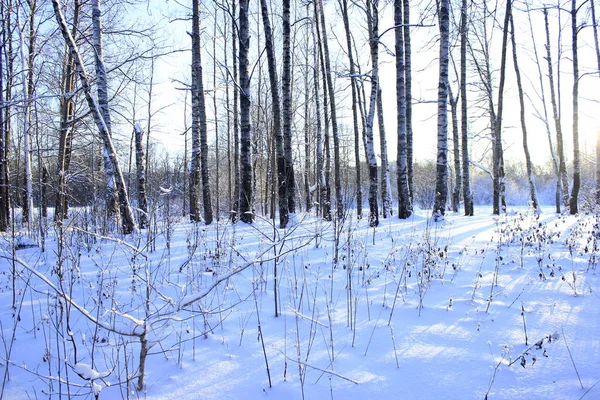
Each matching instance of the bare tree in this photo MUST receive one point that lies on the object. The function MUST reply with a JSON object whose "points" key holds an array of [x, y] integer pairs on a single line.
{"points": [[286, 88], [354, 88], [464, 126], [404, 201], [573, 206], [127, 220], [141, 175], [528, 163], [4, 198], [333, 111], [562, 165], [277, 130], [441, 180], [67, 112], [246, 212], [408, 93], [199, 159]]}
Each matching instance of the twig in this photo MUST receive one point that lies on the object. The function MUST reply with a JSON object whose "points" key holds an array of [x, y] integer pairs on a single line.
{"points": [[571, 356]]}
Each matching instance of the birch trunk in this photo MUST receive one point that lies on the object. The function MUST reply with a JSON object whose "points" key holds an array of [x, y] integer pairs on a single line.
{"points": [[464, 121], [353, 84], [320, 171], [562, 164], [199, 160], [246, 213], [286, 88], [528, 163], [386, 186], [67, 112], [404, 202], [127, 220], [4, 200], [573, 206], [333, 111], [372, 26], [441, 176], [112, 199], [597, 48], [141, 176], [28, 195], [277, 131], [325, 187], [456, 192], [408, 94]]}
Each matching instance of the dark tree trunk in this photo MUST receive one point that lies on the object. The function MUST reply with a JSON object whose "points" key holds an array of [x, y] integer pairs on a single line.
{"points": [[464, 126], [334, 122], [457, 191], [286, 87], [408, 93], [277, 132], [573, 206], [528, 163], [246, 212], [4, 199], [67, 112], [562, 164], [354, 88]]}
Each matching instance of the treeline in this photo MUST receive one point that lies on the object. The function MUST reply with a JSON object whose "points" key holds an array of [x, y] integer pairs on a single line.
{"points": [[281, 102]]}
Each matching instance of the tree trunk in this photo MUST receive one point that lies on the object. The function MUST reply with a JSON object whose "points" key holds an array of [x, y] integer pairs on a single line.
{"points": [[6, 127], [277, 132], [286, 87], [67, 112], [320, 170], [246, 212], [408, 93], [325, 187], [597, 48], [334, 122], [353, 84], [456, 192], [573, 206], [26, 69], [441, 176], [127, 219], [499, 183], [236, 123], [386, 186], [199, 161], [404, 202], [141, 176], [464, 121], [112, 199], [4, 200], [372, 26], [562, 165], [528, 163]]}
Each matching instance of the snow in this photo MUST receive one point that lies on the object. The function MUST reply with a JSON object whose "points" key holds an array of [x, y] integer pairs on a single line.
{"points": [[413, 309]]}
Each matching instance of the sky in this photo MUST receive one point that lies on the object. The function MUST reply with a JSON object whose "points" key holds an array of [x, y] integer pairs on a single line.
{"points": [[173, 69]]}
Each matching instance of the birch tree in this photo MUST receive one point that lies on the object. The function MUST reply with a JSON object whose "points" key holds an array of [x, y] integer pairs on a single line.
{"points": [[67, 113], [246, 213], [141, 175], [354, 88], [199, 159], [464, 122], [404, 201], [286, 88], [4, 199], [573, 206], [333, 111], [372, 26], [528, 163], [276, 106], [441, 180], [127, 220]]}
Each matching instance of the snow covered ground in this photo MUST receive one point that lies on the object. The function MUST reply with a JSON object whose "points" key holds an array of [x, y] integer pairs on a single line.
{"points": [[505, 307]]}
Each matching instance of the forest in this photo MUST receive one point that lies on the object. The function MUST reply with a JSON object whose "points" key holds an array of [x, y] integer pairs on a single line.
{"points": [[309, 197]]}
